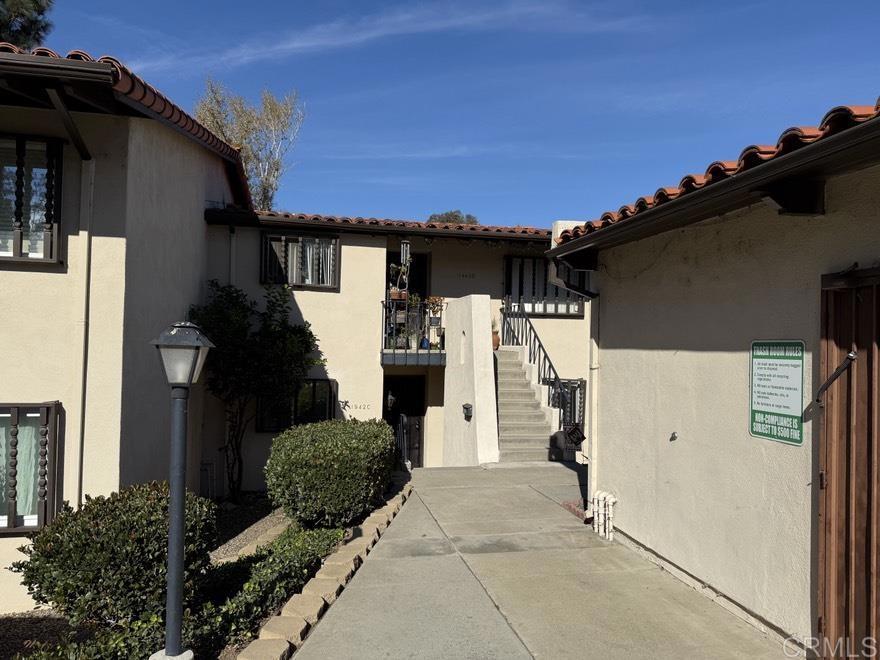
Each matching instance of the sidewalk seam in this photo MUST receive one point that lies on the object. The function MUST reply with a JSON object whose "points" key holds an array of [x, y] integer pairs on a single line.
{"points": [[471, 571]]}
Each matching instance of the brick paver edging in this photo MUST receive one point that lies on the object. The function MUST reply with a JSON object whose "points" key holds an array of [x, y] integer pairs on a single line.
{"points": [[281, 635]]}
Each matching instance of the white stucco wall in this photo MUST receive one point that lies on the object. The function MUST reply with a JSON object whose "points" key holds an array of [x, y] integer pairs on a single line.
{"points": [[469, 379], [678, 313]]}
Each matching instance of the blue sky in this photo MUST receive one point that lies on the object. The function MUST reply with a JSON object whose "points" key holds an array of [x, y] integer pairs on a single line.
{"points": [[518, 111]]}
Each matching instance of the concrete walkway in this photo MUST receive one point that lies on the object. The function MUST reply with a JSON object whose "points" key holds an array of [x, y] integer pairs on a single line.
{"points": [[484, 563]]}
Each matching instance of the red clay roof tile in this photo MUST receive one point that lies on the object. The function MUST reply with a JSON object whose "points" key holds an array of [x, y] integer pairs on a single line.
{"points": [[406, 224], [835, 120]]}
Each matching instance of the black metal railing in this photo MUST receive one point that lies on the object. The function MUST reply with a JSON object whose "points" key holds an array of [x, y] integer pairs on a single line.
{"points": [[571, 305], [413, 327], [403, 441], [566, 395]]}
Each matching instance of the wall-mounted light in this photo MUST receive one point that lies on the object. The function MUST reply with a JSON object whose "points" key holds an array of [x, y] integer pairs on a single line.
{"points": [[468, 411]]}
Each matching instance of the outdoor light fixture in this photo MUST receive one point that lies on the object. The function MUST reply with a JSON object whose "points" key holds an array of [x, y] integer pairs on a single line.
{"points": [[182, 352], [468, 411]]}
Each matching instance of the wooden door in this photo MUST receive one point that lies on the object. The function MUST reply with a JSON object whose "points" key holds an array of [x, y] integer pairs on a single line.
{"points": [[849, 478]]}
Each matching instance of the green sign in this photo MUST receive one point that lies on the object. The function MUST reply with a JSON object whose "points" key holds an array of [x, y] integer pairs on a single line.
{"points": [[777, 391]]}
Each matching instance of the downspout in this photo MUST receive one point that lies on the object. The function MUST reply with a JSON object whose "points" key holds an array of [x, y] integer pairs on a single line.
{"points": [[232, 255], [87, 198]]}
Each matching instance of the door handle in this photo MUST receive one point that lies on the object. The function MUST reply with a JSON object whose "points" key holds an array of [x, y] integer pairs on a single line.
{"points": [[851, 357]]}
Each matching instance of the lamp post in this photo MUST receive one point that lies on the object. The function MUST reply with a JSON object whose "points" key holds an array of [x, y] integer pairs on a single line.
{"points": [[182, 352]]}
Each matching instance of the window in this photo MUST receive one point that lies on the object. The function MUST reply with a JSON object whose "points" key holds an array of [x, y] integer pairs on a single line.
{"points": [[527, 282], [315, 402], [27, 448], [30, 178], [307, 262]]}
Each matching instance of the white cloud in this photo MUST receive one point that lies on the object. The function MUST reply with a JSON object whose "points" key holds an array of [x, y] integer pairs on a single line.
{"points": [[409, 19]]}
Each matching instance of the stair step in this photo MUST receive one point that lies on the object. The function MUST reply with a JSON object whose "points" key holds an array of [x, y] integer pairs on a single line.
{"points": [[524, 394], [524, 442], [521, 427], [538, 439], [514, 405], [537, 454], [514, 385], [520, 416]]}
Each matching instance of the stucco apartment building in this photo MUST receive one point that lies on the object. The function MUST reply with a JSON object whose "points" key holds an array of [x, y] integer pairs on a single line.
{"points": [[735, 394], [117, 208]]}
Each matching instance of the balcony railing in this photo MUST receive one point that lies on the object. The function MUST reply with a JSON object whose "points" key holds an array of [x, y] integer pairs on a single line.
{"points": [[28, 438], [413, 333]]}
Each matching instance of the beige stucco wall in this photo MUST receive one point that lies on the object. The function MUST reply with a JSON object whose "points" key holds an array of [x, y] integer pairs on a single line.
{"points": [[470, 379], [678, 313], [347, 324], [45, 325], [171, 180], [148, 264]]}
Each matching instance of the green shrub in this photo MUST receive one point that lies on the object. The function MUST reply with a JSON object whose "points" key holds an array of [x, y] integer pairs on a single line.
{"points": [[106, 562], [330, 473], [259, 585]]}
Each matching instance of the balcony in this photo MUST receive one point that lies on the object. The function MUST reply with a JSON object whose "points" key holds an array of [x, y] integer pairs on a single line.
{"points": [[413, 332]]}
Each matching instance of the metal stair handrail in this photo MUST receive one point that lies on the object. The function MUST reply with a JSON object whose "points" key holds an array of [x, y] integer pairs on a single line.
{"points": [[563, 394]]}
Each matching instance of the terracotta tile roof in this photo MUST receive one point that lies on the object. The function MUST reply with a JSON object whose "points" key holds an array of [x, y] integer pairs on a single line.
{"points": [[482, 231], [151, 100], [835, 121]]}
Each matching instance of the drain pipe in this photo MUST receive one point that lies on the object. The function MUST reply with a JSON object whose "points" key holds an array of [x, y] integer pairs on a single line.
{"points": [[87, 198]]}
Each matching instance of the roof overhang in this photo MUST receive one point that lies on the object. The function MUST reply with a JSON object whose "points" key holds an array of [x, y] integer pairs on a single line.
{"points": [[76, 83], [855, 148], [242, 218]]}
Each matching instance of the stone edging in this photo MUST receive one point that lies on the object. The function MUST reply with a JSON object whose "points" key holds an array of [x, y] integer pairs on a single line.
{"points": [[281, 635]]}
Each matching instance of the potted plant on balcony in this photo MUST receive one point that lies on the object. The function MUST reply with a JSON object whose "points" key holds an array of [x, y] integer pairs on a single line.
{"points": [[435, 309], [398, 279]]}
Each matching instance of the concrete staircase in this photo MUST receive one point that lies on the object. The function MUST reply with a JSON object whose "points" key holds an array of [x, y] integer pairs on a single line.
{"points": [[524, 427]]}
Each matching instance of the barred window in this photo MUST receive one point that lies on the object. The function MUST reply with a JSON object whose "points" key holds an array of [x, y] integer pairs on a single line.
{"points": [[30, 182], [300, 261], [27, 465], [315, 402]]}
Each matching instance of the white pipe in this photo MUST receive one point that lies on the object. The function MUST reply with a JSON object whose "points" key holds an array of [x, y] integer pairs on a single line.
{"points": [[598, 513], [610, 502]]}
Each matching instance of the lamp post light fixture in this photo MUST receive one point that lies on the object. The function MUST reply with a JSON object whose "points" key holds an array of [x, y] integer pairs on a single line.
{"points": [[182, 352]]}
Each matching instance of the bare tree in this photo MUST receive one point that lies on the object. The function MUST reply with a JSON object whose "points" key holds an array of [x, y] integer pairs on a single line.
{"points": [[265, 133]]}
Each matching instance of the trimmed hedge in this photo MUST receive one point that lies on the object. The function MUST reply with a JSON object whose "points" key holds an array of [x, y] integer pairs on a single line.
{"points": [[330, 473], [106, 562]]}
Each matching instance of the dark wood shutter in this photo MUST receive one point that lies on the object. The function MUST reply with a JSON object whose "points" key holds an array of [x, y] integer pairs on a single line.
{"points": [[273, 260]]}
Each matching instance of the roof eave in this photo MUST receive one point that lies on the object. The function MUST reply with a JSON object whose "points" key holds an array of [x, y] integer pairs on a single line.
{"points": [[56, 68], [239, 218], [848, 150]]}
